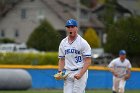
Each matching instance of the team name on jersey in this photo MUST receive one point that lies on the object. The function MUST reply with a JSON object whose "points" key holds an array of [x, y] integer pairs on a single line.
{"points": [[67, 51], [120, 66]]}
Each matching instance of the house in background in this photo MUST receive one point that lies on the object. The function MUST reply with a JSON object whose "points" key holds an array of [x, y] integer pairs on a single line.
{"points": [[132, 5], [22, 19]]}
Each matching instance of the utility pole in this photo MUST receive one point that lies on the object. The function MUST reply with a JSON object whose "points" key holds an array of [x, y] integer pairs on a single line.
{"points": [[78, 15]]}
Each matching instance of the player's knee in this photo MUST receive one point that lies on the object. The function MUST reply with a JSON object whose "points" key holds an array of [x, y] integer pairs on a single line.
{"points": [[78, 91], [75, 91], [115, 89], [121, 90]]}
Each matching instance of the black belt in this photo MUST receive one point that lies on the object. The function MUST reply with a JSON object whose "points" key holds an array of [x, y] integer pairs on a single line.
{"points": [[74, 69]]}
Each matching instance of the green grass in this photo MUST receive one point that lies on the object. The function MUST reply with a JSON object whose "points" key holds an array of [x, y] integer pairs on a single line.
{"points": [[60, 91]]}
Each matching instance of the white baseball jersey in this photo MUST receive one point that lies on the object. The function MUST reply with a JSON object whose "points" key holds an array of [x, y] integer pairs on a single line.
{"points": [[74, 53], [120, 68]]}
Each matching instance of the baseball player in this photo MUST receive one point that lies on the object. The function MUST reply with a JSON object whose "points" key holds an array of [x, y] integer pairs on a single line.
{"points": [[120, 68], [75, 58]]}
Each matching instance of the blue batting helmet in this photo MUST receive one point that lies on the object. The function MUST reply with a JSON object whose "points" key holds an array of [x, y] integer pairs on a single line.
{"points": [[71, 22], [122, 52]]}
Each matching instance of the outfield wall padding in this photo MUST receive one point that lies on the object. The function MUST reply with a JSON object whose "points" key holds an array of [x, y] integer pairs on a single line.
{"points": [[15, 79], [98, 79]]}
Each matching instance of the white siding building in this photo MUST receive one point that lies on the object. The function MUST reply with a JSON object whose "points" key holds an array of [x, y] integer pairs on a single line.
{"points": [[24, 18]]}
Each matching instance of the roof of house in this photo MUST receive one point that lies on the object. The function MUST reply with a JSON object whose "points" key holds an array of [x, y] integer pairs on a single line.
{"points": [[66, 9], [132, 5]]}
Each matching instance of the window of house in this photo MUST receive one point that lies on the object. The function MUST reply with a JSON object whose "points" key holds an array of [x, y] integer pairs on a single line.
{"points": [[23, 13], [41, 15], [2, 33], [16, 33]]}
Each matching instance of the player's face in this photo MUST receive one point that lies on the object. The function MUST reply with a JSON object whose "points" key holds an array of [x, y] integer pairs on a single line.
{"points": [[72, 30], [122, 57]]}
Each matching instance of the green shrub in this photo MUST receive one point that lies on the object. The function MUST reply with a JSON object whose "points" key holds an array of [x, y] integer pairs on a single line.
{"points": [[44, 38], [49, 58], [92, 38], [6, 40]]}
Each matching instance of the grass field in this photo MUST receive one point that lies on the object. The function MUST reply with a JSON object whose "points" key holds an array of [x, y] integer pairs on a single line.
{"points": [[60, 91]]}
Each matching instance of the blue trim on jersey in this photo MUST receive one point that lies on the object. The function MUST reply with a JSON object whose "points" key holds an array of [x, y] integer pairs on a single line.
{"points": [[87, 55], [61, 56]]}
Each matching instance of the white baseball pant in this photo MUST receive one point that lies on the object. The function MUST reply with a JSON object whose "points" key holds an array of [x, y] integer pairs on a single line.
{"points": [[72, 85], [118, 84]]}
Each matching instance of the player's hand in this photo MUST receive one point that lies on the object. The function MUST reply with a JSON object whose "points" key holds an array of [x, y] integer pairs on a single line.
{"points": [[127, 76], [77, 76], [58, 76], [116, 75]]}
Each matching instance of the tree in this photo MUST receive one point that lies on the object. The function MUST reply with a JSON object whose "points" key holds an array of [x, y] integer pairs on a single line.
{"points": [[44, 38], [92, 38], [124, 34]]}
